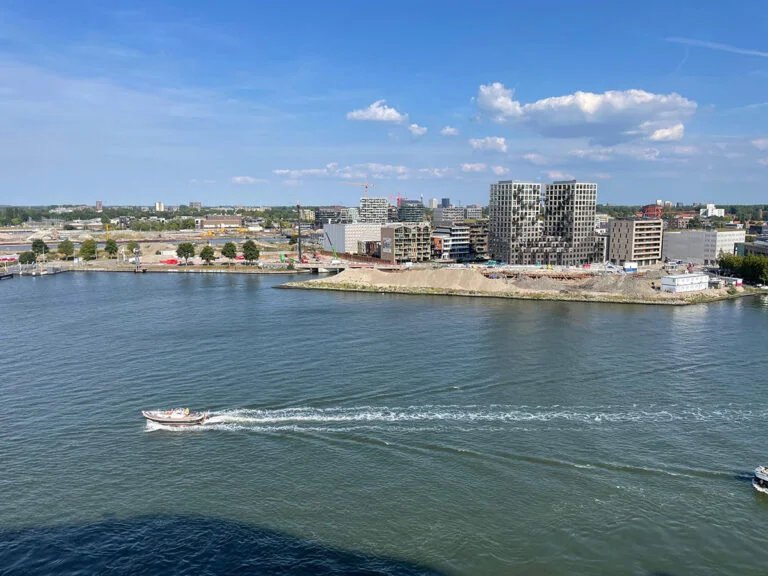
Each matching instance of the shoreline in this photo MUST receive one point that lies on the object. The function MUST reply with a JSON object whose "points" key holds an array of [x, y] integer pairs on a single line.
{"points": [[604, 298]]}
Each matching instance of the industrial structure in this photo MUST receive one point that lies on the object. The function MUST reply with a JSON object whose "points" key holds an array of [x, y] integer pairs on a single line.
{"points": [[684, 283], [345, 237], [700, 246]]}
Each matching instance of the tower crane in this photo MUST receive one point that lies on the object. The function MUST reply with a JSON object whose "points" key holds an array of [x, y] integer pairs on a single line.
{"points": [[365, 186]]}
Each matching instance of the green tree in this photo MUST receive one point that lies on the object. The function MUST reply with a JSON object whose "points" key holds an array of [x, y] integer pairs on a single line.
{"points": [[27, 257], [250, 251], [67, 248], [207, 254], [185, 250], [695, 223], [39, 247], [229, 250], [187, 224], [132, 246], [110, 247], [88, 249], [15, 221]]}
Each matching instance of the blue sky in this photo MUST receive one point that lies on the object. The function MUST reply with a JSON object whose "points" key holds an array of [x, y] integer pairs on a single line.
{"points": [[270, 102]]}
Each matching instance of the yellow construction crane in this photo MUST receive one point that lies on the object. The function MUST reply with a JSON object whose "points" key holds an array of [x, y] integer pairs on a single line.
{"points": [[365, 186]]}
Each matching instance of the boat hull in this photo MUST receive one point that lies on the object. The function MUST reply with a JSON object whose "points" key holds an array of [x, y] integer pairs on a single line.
{"points": [[758, 487], [194, 419]]}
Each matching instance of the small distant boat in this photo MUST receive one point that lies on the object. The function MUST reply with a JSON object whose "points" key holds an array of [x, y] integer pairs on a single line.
{"points": [[175, 417], [760, 481]]}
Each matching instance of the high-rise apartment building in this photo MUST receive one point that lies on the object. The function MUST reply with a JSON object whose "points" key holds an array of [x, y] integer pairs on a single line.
{"points": [[99, 206], [433, 203], [159, 207], [569, 215], [445, 203], [195, 205], [411, 211], [558, 229], [514, 227], [374, 210]]}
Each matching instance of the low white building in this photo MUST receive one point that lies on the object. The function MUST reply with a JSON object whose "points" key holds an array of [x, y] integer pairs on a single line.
{"points": [[711, 210], [684, 283], [346, 236], [700, 246]]}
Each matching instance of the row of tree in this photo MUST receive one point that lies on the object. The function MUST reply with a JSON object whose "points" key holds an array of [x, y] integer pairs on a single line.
{"points": [[250, 251], [15, 215], [752, 268]]}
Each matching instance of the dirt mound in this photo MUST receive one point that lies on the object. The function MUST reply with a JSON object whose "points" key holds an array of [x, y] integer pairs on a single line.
{"points": [[468, 280], [450, 279], [541, 283], [619, 284]]}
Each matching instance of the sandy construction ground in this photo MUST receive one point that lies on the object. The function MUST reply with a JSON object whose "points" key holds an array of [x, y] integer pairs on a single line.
{"points": [[469, 280]]}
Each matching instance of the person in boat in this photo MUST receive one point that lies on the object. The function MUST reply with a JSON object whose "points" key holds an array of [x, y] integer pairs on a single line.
{"points": [[186, 411]]}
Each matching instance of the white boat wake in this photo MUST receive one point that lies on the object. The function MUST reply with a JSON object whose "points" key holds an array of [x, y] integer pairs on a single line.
{"points": [[436, 417]]}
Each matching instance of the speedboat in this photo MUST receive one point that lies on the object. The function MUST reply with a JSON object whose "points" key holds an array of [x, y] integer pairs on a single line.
{"points": [[175, 417], [760, 481]]}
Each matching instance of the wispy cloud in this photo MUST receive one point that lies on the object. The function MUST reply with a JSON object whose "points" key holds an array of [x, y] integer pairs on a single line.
{"points": [[717, 46], [535, 158], [247, 180]]}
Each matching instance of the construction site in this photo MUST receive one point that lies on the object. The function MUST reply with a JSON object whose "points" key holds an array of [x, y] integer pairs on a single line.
{"points": [[530, 284]]}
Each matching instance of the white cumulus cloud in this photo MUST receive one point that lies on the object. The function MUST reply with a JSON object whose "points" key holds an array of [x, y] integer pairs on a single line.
{"points": [[613, 116], [763, 161], [479, 167], [417, 130], [499, 170], [535, 158], [760, 143], [449, 131], [378, 112], [495, 143], [673, 133], [602, 176]]}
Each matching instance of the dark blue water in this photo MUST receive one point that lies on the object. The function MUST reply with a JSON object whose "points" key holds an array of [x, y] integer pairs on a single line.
{"points": [[367, 433]]}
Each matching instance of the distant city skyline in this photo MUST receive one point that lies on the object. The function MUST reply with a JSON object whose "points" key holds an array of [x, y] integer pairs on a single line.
{"points": [[267, 104]]}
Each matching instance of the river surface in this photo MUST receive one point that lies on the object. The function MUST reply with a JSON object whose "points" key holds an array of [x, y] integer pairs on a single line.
{"points": [[371, 433]]}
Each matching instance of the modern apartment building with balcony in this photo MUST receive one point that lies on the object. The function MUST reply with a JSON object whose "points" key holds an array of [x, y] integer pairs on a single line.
{"points": [[636, 240], [406, 242]]}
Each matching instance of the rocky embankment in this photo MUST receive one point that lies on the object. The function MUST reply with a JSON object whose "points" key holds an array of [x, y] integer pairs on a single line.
{"points": [[471, 282]]}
